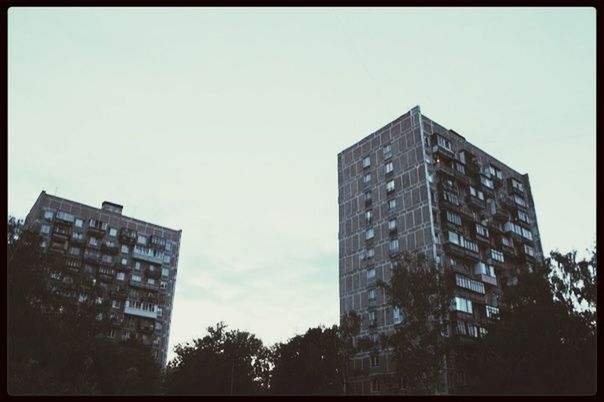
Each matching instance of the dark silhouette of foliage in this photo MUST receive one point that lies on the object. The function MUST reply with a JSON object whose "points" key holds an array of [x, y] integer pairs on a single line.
{"points": [[221, 363], [419, 345], [56, 344], [308, 364], [545, 341]]}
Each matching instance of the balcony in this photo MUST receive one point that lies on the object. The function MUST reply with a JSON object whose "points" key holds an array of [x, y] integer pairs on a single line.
{"points": [[442, 169], [475, 202], [148, 254], [97, 230], [128, 236], [80, 241], [457, 250], [153, 272], [144, 285], [92, 256], [140, 309], [110, 247], [508, 204], [157, 242]]}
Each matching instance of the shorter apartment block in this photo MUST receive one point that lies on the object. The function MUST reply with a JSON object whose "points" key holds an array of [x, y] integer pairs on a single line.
{"points": [[134, 262]]}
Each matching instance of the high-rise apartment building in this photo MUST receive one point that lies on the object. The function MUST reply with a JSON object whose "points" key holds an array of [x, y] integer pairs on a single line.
{"points": [[132, 261], [415, 185]]}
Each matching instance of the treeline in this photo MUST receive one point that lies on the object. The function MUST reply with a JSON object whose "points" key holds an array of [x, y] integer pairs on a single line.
{"points": [[543, 343]]}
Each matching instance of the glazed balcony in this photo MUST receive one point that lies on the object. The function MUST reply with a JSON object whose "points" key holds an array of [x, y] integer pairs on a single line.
{"points": [[110, 247], [140, 310], [148, 254]]}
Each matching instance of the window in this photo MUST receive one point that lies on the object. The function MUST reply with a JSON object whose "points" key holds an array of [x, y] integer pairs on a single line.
{"points": [[393, 246], [482, 231], [159, 310], [142, 240], [124, 261], [107, 258], [121, 276], [375, 361], [370, 273], [367, 178], [370, 253], [136, 278], [45, 229], [517, 185], [65, 216], [165, 272], [528, 250], [506, 241], [460, 168], [112, 232], [450, 197], [519, 200], [494, 172], [391, 205], [397, 315], [137, 266], [78, 236], [151, 281], [93, 241], [486, 182], [389, 168], [372, 318], [115, 304], [453, 218], [527, 234], [366, 162], [497, 255], [372, 295], [454, 238], [368, 216], [367, 197], [390, 186], [492, 312], [75, 251], [125, 249], [163, 284], [444, 143], [392, 225], [79, 222], [484, 269], [470, 284], [48, 215], [387, 151], [168, 245], [523, 216], [369, 234], [512, 227], [476, 193], [462, 304]]}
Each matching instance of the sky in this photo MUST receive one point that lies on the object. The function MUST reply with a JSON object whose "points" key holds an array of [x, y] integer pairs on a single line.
{"points": [[226, 123]]}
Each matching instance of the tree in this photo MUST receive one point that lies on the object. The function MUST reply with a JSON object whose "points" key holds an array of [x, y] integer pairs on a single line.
{"points": [[55, 341], [221, 363], [350, 326], [545, 340], [419, 345], [308, 364]]}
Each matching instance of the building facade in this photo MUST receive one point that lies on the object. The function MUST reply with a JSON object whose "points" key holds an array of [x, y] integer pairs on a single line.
{"points": [[133, 262], [415, 185]]}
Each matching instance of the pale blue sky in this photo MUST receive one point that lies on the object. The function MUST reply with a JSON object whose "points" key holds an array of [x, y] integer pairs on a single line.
{"points": [[226, 123]]}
